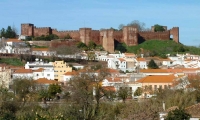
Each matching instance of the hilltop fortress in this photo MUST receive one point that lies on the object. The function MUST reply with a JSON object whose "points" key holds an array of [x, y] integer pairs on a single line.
{"points": [[106, 37]]}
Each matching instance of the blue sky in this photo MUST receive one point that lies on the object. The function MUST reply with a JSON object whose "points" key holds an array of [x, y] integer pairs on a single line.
{"points": [[97, 14]]}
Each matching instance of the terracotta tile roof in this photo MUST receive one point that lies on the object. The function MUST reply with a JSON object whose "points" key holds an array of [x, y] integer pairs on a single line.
{"points": [[40, 49], [157, 79], [39, 70], [194, 110], [45, 81], [129, 54], [13, 40], [23, 71], [121, 59], [174, 70], [116, 79], [109, 88], [109, 70], [141, 59], [167, 59], [73, 73], [112, 70], [153, 70]]}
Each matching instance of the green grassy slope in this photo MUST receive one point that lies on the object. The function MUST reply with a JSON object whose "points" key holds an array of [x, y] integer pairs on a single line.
{"points": [[163, 47], [11, 61]]}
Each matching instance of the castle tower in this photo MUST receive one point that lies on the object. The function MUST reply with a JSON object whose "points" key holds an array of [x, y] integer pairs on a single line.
{"points": [[107, 37], [27, 29], [130, 35], [85, 35], [175, 32]]}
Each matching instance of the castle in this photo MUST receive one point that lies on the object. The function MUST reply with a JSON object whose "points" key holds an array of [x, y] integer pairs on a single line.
{"points": [[106, 37]]}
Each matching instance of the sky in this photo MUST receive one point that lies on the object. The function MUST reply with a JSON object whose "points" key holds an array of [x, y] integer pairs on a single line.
{"points": [[98, 14]]}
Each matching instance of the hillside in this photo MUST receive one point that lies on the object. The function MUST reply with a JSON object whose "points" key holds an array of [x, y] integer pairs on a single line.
{"points": [[157, 47]]}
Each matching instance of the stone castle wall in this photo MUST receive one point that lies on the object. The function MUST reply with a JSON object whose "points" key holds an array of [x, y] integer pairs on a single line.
{"points": [[130, 35]]}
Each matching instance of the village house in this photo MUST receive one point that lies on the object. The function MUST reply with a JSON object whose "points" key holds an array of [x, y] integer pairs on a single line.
{"points": [[60, 68], [5, 77]]}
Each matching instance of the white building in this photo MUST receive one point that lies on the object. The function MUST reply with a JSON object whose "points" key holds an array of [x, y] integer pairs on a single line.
{"points": [[42, 52], [5, 77], [23, 73], [47, 70]]}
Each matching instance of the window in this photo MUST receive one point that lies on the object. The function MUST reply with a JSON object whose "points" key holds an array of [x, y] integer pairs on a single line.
{"points": [[165, 86], [37, 74], [48, 75], [155, 87], [160, 86]]}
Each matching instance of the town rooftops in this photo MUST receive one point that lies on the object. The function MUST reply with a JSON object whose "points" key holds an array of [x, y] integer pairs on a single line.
{"points": [[109, 88], [39, 70], [73, 73], [153, 71], [141, 59], [45, 81], [23, 71], [13, 40], [40, 49], [157, 79]]}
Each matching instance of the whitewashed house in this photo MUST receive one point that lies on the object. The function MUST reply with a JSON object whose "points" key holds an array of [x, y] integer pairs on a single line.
{"points": [[23, 73]]}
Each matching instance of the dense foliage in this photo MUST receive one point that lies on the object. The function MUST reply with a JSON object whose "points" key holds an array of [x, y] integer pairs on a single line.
{"points": [[12, 61], [84, 98], [8, 33], [158, 28], [46, 37], [152, 64], [159, 47]]}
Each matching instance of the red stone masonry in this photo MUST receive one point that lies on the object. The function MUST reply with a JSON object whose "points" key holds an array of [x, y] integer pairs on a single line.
{"points": [[130, 35]]}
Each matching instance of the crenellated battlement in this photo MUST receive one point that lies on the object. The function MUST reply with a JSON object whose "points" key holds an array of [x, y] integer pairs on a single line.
{"points": [[42, 27], [129, 34]]}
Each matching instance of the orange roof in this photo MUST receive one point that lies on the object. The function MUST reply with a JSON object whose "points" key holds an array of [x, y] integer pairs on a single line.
{"points": [[154, 71], [121, 59], [109, 70], [157, 79], [109, 88], [23, 71], [45, 81], [141, 59], [39, 70], [129, 54], [13, 40], [71, 73], [167, 59], [174, 70], [40, 49], [116, 79]]}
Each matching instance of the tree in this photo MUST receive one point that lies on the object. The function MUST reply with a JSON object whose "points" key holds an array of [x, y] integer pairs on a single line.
{"points": [[67, 37], [81, 45], [8, 33], [178, 114], [123, 93], [91, 45], [158, 28], [121, 26], [53, 89], [23, 89], [152, 64], [137, 24], [138, 91]]}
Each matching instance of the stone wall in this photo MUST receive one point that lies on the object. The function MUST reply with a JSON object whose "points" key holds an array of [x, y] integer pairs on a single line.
{"points": [[130, 35]]}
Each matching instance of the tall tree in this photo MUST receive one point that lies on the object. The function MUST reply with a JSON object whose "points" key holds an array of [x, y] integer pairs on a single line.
{"points": [[138, 24], [178, 114], [152, 64], [158, 28]]}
